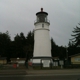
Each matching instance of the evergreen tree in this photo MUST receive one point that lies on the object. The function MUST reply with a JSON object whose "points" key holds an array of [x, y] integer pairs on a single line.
{"points": [[29, 45], [57, 51], [53, 48], [74, 43], [76, 39], [5, 45], [20, 41]]}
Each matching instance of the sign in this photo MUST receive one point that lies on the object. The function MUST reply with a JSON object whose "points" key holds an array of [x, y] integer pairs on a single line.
{"points": [[77, 59]]}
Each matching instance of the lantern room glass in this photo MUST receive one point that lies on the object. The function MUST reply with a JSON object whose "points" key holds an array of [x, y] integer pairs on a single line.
{"points": [[41, 18]]}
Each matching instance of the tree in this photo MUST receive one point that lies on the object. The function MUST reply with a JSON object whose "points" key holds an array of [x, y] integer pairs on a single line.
{"points": [[62, 52], [57, 51], [53, 48], [29, 45], [20, 42], [5, 45], [74, 43], [76, 39], [71, 48]]}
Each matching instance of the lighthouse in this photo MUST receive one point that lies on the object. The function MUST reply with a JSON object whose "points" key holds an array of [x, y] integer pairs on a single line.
{"points": [[42, 42]]}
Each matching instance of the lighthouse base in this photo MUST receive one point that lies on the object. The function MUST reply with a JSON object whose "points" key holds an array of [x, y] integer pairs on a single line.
{"points": [[42, 61]]}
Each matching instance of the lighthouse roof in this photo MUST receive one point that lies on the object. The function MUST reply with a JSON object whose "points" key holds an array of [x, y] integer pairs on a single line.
{"points": [[41, 12]]}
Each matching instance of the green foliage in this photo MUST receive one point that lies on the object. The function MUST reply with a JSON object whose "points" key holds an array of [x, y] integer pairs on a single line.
{"points": [[23, 46], [57, 51], [4, 44], [74, 43], [76, 39]]}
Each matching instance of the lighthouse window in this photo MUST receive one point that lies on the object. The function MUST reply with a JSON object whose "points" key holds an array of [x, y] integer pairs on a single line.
{"points": [[45, 19], [42, 25], [38, 19]]}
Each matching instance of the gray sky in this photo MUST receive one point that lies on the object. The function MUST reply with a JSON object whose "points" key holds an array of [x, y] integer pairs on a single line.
{"points": [[19, 15]]}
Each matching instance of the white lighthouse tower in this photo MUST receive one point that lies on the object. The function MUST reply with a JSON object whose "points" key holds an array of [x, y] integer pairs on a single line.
{"points": [[42, 42]]}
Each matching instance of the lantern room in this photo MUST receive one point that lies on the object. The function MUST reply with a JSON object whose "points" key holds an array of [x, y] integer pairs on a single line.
{"points": [[41, 17]]}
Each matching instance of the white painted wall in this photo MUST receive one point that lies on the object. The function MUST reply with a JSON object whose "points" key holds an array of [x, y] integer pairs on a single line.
{"points": [[36, 61], [42, 42]]}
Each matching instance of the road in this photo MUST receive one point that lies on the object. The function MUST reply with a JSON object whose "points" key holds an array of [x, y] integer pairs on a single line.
{"points": [[40, 77], [68, 74]]}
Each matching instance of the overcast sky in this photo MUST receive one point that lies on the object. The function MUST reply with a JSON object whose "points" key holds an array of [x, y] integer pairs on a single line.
{"points": [[19, 15]]}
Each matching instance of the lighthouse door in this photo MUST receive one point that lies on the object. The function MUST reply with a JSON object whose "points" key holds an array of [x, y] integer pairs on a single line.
{"points": [[46, 63]]}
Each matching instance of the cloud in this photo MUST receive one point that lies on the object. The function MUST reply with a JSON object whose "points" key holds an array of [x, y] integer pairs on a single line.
{"points": [[19, 15]]}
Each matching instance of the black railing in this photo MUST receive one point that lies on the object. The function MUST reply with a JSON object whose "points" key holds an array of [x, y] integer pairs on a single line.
{"points": [[47, 21]]}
